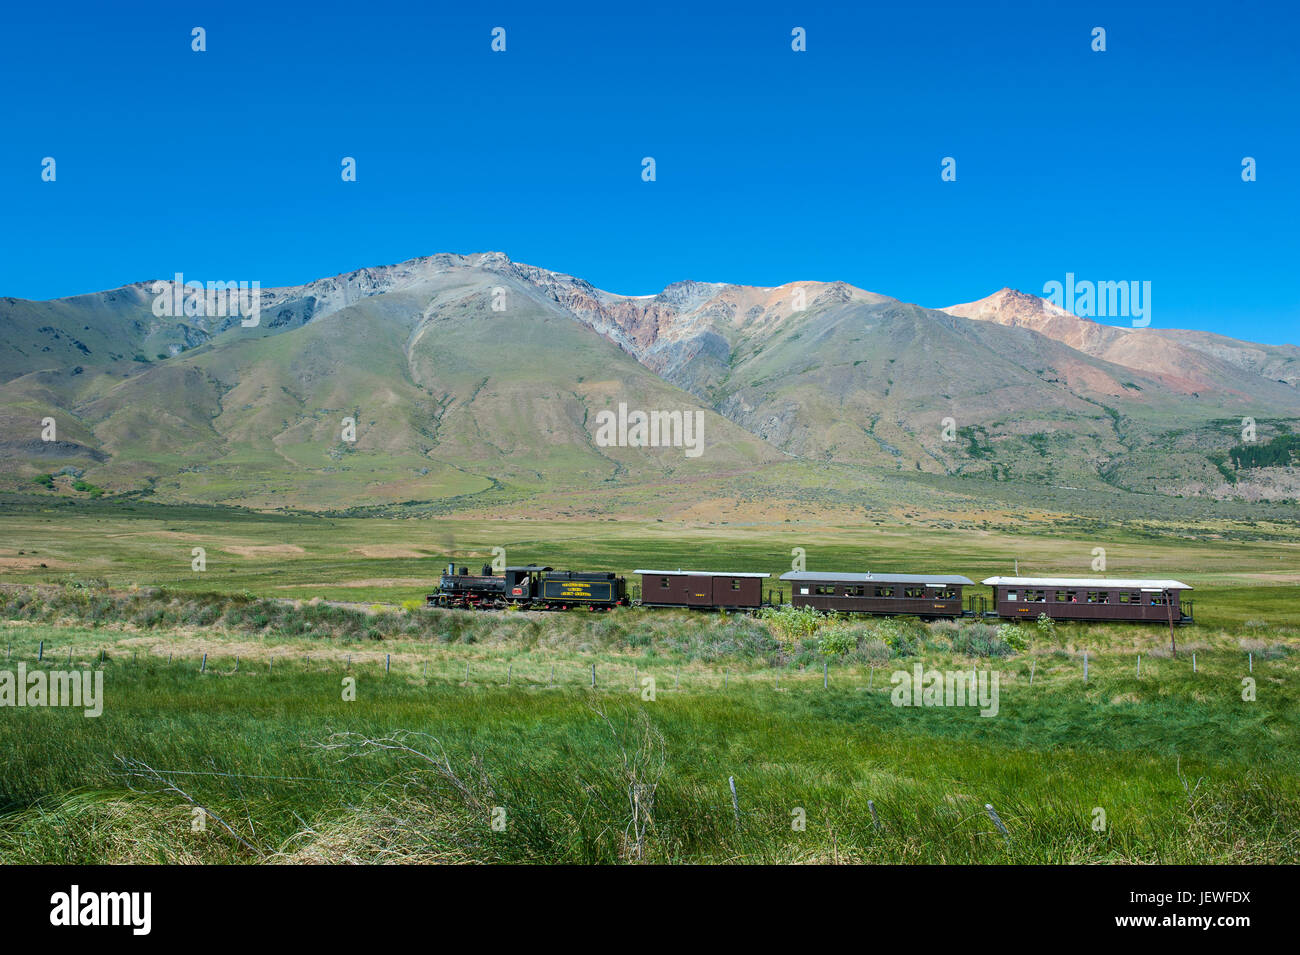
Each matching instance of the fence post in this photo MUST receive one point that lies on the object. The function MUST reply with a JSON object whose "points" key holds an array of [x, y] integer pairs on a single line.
{"points": [[203, 667], [1031, 671], [826, 669], [1139, 670], [1085, 666], [40, 652], [735, 801], [1250, 658], [875, 820], [1193, 661], [988, 807], [388, 663], [593, 676], [510, 673], [236, 662]]}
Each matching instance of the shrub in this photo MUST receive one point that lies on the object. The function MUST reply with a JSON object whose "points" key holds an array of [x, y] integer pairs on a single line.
{"points": [[1046, 628], [837, 641], [792, 623], [1014, 635]]}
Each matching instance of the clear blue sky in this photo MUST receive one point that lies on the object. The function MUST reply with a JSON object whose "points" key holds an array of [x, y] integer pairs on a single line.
{"points": [[772, 165]]}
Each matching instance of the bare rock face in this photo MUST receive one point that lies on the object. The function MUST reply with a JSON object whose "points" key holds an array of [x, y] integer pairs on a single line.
{"points": [[1189, 362]]}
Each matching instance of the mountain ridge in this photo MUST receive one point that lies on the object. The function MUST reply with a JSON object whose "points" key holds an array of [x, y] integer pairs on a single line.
{"points": [[473, 375]]}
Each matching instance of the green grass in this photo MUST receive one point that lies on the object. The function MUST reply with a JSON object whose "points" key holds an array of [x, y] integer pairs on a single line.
{"points": [[1240, 571], [1185, 770], [526, 732]]}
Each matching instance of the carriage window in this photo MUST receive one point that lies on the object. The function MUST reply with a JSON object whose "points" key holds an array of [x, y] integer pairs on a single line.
{"points": [[1060, 597], [1098, 596], [803, 591], [1036, 596], [884, 591], [945, 593], [1011, 595], [1125, 597], [663, 581], [735, 583], [1158, 600], [914, 592], [826, 590], [856, 591]]}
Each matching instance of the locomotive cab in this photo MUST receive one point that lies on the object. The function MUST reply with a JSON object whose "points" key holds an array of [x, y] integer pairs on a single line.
{"points": [[521, 582]]}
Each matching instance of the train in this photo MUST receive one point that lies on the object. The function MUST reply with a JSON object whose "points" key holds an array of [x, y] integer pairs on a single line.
{"points": [[1096, 599]]}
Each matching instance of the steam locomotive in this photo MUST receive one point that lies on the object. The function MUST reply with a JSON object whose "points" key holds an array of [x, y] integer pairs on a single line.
{"points": [[531, 586]]}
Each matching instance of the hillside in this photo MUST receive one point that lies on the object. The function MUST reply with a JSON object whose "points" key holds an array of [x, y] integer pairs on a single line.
{"points": [[460, 402]]}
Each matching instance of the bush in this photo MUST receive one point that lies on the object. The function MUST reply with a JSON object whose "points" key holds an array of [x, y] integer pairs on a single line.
{"points": [[1015, 636], [837, 641], [792, 623], [982, 640], [1046, 628], [902, 637]]}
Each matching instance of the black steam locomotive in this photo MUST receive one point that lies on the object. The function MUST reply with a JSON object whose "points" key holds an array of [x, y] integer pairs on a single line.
{"points": [[529, 586]]}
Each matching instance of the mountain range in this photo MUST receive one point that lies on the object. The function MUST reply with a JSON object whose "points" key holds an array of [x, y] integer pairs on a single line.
{"points": [[474, 380]]}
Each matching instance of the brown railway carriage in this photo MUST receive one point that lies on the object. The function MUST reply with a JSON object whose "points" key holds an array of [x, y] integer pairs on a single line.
{"points": [[1090, 598], [922, 595], [701, 589]]}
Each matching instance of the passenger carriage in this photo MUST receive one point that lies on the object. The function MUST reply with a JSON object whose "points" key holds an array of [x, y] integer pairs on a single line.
{"points": [[1091, 598], [921, 595]]}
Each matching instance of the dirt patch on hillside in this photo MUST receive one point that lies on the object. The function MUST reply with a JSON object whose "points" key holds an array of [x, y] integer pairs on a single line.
{"points": [[388, 550], [262, 550], [30, 563]]}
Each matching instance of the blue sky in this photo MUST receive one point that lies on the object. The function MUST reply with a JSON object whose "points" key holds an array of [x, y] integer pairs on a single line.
{"points": [[771, 165]]}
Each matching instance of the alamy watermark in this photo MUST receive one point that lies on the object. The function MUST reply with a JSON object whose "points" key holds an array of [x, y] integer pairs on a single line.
{"points": [[178, 298], [74, 688], [654, 429], [1087, 299], [130, 909], [924, 687]]}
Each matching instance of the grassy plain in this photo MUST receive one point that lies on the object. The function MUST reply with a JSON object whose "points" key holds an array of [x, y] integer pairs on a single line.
{"points": [[1183, 767]]}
